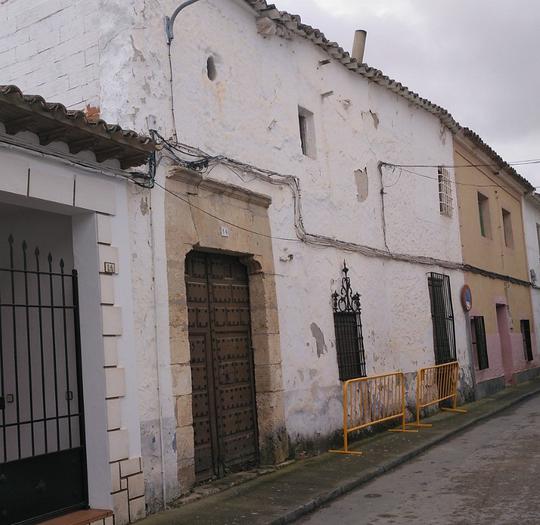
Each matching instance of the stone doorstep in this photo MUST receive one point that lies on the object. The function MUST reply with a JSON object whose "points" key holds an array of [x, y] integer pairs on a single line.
{"points": [[80, 517], [232, 480]]}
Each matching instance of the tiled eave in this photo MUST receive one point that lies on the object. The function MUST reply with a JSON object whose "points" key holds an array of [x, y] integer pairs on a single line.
{"points": [[291, 25], [53, 122]]}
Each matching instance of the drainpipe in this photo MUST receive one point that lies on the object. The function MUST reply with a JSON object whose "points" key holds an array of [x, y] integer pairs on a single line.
{"points": [[169, 31]]}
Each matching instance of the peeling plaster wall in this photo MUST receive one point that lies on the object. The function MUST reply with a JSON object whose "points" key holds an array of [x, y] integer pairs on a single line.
{"points": [[250, 112], [85, 52]]}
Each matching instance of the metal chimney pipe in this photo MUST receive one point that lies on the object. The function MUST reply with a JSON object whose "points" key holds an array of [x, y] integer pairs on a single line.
{"points": [[359, 45]]}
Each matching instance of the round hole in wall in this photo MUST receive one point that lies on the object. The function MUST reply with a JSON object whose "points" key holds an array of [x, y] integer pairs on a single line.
{"points": [[211, 68]]}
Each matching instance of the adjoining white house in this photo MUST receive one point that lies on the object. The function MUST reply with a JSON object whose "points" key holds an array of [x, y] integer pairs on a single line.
{"points": [[280, 184], [531, 224], [69, 423]]}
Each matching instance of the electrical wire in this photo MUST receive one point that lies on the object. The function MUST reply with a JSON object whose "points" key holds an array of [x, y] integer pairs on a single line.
{"points": [[206, 212], [316, 240], [401, 168], [452, 166]]}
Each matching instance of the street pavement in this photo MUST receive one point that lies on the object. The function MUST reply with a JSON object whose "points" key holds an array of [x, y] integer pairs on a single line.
{"points": [[489, 474]]}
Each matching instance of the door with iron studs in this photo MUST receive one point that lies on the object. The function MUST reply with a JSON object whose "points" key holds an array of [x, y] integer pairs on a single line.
{"points": [[222, 370]]}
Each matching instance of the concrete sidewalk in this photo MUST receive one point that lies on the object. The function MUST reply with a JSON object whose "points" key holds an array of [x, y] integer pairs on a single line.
{"points": [[289, 493]]}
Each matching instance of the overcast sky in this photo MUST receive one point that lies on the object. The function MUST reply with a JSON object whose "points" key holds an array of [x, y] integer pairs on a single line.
{"points": [[477, 58]]}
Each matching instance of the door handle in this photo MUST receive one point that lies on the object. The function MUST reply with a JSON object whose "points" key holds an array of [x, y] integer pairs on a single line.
{"points": [[2, 403]]}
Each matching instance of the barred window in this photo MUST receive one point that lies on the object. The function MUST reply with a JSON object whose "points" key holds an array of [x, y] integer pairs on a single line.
{"points": [[527, 343], [442, 315], [445, 193], [478, 334], [348, 328]]}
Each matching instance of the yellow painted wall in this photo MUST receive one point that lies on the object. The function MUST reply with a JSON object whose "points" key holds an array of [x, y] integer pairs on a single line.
{"points": [[491, 253]]}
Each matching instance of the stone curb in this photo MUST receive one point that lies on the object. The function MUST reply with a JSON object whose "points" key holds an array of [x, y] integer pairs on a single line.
{"points": [[373, 473]]}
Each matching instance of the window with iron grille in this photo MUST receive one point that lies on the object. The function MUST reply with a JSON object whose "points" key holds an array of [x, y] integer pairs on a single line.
{"points": [[348, 327], [478, 333], [442, 315], [527, 343], [445, 193]]}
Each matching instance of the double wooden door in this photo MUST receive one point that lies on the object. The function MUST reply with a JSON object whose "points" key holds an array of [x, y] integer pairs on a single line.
{"points": [[222, 371]]}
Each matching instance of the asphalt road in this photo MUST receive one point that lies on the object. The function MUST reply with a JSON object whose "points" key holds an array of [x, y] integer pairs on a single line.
{"points": [[487, 475]]}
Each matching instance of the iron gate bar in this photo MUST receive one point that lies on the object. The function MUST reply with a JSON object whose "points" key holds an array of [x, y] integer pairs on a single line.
{"points": [[28, 349], [14, 319], [66, 363], [53, 330], [44, 306], [40, 316], [2, 392]]}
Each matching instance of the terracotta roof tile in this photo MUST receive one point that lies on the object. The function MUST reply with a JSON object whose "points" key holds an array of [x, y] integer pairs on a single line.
{"points": [[294, 24], [53, 121]]}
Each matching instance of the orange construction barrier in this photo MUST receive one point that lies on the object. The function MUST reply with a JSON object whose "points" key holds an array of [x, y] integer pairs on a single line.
{"points": [[371, 400], [435, 384]]}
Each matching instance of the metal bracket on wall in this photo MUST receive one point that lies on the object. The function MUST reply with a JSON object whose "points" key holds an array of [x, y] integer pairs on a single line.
{"points": [[169, 21]]}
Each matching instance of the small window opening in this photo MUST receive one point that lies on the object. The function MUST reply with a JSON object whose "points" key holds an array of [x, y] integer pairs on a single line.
{"points": [[483, 211], [507, 228], [478, 334], [307, 132], [211, 68], [445, 193], [527, 343]]}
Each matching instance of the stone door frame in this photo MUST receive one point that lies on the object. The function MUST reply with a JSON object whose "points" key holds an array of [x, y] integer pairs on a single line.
{"points": [[187, 229]]}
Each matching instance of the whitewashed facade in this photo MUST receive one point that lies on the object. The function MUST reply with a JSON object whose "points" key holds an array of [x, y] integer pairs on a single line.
{"points": [[531, 223], [74, 210], [249, 111]]}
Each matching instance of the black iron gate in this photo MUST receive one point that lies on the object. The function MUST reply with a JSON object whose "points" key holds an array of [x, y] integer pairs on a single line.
{"points": [[42, 454], [224, 411]]}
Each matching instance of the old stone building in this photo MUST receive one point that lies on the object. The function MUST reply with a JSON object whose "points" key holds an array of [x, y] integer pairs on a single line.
{"points": [[282, 179]]}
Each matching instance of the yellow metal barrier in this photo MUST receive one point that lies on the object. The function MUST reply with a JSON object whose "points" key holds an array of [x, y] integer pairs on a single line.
{"points": [[435, 384], [371, 400]]}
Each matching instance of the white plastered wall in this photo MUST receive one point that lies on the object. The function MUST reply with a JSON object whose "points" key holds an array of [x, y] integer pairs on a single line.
{"points": [[531, 223], [94, 208], [250, 112]]}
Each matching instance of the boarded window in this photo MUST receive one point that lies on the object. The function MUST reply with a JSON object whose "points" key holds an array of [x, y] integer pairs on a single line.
{"points": [[527, 343], [483, 212], [445, 193], [478, 334], [442, 315], [507, 228]]}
